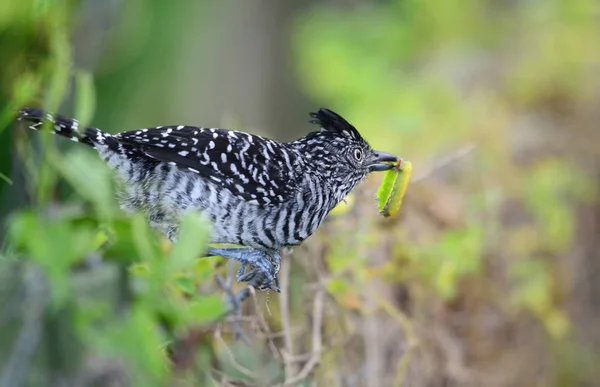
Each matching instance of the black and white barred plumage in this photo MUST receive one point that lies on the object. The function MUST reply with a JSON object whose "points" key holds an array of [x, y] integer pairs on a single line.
{"points": [[258, 192]]}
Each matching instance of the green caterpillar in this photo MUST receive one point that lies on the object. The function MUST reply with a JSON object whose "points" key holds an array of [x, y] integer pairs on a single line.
{"points": [[393, 187]]}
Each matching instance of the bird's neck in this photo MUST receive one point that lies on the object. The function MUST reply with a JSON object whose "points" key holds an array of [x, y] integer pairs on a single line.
{"points": [[315, 165], [314, 154]]}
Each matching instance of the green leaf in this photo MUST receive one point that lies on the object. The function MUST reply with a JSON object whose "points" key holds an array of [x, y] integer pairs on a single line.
{"points": [[5, 178], [205, 268], [204, 309], [26, 87], [85, 104], [557, 323], [337, 286], [447, 279], [186, 285], [61, 68], [148, 249], [144, 243], [140, 270], [122, 244], [191, 242], [55, 244], [136, 341], [95, 187]]}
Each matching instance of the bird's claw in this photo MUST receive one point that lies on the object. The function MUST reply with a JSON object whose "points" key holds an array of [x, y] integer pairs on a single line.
{"points": [[270, 280], [262, 263]]}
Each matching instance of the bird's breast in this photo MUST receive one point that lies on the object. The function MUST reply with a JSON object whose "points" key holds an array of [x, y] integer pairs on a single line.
{"points": [[167, 193], [270, 226]]}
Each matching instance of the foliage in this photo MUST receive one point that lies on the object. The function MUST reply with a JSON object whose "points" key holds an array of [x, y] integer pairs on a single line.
{"points": [[419, 78], [163, 283], [103, 273], [476, 281]]}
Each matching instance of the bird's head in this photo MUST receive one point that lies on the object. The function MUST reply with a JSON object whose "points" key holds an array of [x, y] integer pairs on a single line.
{"points": [[339, 153]]}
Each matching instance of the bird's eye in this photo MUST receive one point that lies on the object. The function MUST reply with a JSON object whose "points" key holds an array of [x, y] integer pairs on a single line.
{"points": [[358, 154]]}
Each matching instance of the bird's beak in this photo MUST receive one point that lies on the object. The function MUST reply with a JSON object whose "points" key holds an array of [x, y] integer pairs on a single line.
{"points": [[380, 161]]}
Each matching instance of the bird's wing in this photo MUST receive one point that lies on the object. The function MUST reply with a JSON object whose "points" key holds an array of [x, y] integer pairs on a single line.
{"points": [[257, 169]]}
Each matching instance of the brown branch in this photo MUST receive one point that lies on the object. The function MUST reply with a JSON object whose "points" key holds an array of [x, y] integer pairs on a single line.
{"points": [[290, 368], [231, 357], [275, 335], [236, 299], [411, 338], [262, 323], [317, 342]]}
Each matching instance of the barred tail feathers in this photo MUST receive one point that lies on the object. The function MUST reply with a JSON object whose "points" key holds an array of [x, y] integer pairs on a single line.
{"points": [[66, 127], [118, 155]]}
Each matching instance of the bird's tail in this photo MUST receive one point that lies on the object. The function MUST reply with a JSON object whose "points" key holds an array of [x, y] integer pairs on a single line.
{"points": [[66, 127]]}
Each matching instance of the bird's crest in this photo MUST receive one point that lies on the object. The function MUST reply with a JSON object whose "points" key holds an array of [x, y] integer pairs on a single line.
{"points": [[333, 122]]}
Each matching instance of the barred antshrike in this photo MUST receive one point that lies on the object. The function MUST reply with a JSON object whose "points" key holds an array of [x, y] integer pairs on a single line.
{"points": [[259, 193]]}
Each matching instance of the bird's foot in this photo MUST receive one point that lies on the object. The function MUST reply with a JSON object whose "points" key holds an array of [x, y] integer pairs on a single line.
{"points": [[263, 265], [271, 281]]}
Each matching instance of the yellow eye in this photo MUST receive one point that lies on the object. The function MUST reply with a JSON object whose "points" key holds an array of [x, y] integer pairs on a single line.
{"points": [[358, 154]]}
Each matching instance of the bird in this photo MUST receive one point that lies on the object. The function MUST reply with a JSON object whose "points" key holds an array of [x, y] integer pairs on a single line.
{"points": [[258, 193]]}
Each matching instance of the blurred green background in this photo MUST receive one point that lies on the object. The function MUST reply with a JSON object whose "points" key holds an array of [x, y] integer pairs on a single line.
{"points": [[485, 278]]}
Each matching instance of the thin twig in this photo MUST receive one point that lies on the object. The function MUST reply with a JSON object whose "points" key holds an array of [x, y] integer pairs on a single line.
{"points": [[235, 300], [372, 339], [317, 342], [230, 271], [300, 358], [290, 368], [275, 335], [264, 327], [245, 319], [228, 380], [235, 310], [231, 357], [445, 161], [411, 338]]}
